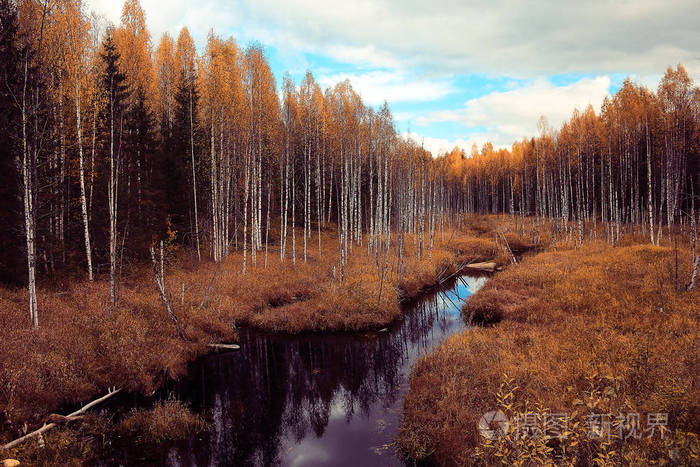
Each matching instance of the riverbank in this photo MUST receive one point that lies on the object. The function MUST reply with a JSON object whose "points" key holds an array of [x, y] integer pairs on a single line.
{"points": [[81, 349], [597, 330]]}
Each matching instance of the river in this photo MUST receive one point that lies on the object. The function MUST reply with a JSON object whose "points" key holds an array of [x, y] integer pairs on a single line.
{"points": [[311, 400]]}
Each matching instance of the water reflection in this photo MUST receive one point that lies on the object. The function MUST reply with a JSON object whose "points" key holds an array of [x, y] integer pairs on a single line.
{"points": [[314, 400]]}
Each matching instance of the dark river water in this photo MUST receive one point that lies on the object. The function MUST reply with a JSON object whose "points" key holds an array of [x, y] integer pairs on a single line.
{"points": [[314, 400]]}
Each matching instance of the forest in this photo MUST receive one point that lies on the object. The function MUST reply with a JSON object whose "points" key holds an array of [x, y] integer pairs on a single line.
{"points": [[118, 150], [112, 144]]}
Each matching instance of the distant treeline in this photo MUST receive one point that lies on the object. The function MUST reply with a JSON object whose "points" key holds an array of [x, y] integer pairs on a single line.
{"points": [[635, 164]]}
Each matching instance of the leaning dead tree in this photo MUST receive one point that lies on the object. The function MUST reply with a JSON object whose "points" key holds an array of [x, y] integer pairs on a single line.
{"points": [[160, 282], [70, 417]]}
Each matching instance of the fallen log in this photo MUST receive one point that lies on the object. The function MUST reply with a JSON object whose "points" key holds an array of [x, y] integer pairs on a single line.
{"points": [[489, 266], [48, 426], [59, 419], [225, 346]]}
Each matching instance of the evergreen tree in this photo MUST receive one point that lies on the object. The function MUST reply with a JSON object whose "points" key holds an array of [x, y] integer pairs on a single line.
{"points": [[177, 168], [143, 199], [116, 93], [12, 260]]}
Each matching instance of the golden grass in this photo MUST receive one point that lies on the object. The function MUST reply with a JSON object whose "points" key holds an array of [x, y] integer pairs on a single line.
{"points": [[574, 331]]}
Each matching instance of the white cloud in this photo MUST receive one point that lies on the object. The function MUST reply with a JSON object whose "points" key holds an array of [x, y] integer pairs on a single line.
{"points": [[171, 16], [445, 36], [496, 36], [513, 114], [367, 55], [393, 86]]}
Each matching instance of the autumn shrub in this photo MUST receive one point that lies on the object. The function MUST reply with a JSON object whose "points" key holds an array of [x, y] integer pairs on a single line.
{"points": [[536, 436], [166, 422]]}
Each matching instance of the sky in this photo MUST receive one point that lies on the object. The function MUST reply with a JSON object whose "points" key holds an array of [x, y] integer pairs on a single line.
{"points": [[454, 73]]}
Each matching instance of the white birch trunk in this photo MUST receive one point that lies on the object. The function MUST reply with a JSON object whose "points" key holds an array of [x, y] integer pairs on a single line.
{"points": [[27, 169], [112, 201], [194, 181], [83, 200]]}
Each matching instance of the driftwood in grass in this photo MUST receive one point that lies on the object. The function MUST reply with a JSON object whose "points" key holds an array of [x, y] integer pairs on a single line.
{"points": [[225, 346], [48, 426], [488, 266]]}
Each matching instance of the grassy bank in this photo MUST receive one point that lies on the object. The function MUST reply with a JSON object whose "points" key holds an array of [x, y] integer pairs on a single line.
{"points": [[597, 330], [83, 347]]}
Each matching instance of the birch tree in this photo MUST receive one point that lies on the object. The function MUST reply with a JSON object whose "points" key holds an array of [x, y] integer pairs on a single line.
{"points": [[75, 56]]}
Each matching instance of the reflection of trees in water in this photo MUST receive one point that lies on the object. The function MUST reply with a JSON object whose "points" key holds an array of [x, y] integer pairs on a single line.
{"points": [[280, 388]]}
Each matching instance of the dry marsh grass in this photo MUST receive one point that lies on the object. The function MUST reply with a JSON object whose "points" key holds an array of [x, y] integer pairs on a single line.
{"points": [[83, 347], [573, 331]]}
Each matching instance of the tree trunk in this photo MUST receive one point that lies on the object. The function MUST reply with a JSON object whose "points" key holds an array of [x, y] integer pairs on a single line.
{"points": [[83, 200], [194, 181], [27, 169], [112, 201], [650, 194]]}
